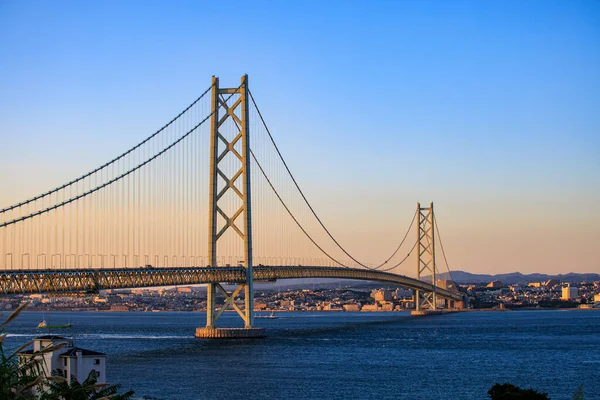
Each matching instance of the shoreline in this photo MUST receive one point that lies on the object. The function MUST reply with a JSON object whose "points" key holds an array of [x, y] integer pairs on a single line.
{"points": [[331, 311]]}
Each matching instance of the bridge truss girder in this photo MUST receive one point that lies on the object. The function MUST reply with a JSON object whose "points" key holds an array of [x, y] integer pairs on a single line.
{"points": [[66, 281]]}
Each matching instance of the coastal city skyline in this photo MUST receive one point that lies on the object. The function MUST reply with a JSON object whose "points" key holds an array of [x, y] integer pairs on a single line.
{"points": [[500, 131], [299, 200]]}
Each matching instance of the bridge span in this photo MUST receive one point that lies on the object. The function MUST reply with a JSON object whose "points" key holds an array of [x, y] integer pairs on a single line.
{"points": [[146, 204], [64, 281]]}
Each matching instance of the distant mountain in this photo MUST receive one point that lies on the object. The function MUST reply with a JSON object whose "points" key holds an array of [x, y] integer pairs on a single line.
{"points": [[517, 277]]}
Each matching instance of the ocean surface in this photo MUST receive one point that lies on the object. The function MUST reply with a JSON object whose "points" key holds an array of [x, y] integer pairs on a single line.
{"points": [[339, 355]]}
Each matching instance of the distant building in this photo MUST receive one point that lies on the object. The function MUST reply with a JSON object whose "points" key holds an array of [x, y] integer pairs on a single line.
{"points": [[550, 283], [260, 306], [99, 299], [68, 360], [441, 302], [597, 298], [285, 303], [352, 307], [332, 307], [381, 295], [569, 293], [495, 285], [586, 306], [446, 284], [535, 284], [515, 288], [371, 307], [402, 293]]}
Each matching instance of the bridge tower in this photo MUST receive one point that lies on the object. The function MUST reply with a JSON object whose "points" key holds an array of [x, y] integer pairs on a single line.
{"points": [[224, 181], [426, 257]]}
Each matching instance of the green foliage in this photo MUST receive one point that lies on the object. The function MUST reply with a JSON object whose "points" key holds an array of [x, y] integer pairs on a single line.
{"points": [[479, 303], [17, 381], [60, 389], [26, 379], [507, 391], [578, 394], [558, 304]]}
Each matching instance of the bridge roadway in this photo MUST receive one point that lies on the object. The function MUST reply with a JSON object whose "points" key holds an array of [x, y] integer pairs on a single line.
{"points": [[60, 281]]}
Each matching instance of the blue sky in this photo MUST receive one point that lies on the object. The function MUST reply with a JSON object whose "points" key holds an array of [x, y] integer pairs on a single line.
{"points": [[489, 109]]}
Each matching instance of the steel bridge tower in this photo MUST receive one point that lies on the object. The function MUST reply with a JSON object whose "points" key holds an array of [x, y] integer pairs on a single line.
{"points": [[240, 121], [426, 257]]}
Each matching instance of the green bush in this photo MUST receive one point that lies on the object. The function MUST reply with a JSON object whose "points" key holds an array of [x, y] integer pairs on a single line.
{"points": [[507, 391]]}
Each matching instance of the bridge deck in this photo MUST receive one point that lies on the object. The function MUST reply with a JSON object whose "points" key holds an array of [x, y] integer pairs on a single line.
{"points": [[46, 281]]}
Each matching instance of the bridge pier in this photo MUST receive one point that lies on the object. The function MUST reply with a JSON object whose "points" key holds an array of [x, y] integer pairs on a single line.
{"points": [[229, 333], [210, 305], [420, 313]]}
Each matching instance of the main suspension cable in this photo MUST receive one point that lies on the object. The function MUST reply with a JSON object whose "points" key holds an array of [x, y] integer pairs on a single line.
{"points": [[108, 163], [292, 215], [308, 203], [401, 261], [108, 183], [437, 229], [401, 243]]}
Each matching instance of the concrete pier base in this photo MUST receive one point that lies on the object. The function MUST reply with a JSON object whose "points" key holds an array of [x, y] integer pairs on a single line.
{"points": [[229, 333], [425, 312]]}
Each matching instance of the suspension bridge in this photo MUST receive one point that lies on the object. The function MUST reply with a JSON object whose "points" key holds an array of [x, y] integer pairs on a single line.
{"points": [[181, 208]]}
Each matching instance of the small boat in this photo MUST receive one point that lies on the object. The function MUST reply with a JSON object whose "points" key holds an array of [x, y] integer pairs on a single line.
{"points": [[270, 316], [44, 325]]}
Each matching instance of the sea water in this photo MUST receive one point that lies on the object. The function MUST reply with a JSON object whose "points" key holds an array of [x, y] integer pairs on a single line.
{"points": [[339, 355]]}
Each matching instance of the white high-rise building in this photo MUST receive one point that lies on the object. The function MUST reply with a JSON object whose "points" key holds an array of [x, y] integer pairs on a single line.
{"points": [[569, 293]]}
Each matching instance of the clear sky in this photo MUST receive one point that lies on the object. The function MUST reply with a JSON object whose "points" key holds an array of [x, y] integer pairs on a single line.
{"points": [[491, 109]]}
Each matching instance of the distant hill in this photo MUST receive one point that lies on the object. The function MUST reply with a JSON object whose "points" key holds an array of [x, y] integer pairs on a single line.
{"points": [[517, 277]]}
